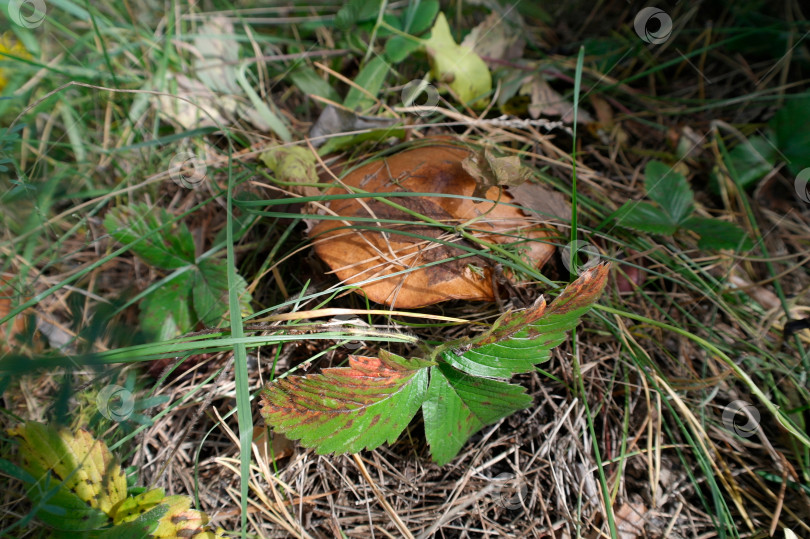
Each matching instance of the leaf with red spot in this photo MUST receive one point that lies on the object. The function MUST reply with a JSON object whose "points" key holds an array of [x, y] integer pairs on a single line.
{"points": [[519, 341], [350, 408], [372, 401], [458, 405]]}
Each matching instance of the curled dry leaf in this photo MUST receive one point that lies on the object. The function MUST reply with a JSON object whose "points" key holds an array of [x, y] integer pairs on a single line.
{"points": [[371, 250]]}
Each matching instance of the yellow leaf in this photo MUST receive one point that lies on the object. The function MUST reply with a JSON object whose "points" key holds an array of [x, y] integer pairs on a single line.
{"points": [[178, 521], [83, 464], [10, 45], [459, 66]]}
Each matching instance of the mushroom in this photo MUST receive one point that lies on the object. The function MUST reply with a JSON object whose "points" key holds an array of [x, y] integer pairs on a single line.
{"points": [[430, 262]]}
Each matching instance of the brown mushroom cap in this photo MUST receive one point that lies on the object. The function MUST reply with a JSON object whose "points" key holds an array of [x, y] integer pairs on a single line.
{"points": [[359, 253]]}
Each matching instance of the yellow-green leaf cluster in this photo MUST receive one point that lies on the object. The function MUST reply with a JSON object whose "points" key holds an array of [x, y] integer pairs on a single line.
{"points": [[83, 464], [80, 478]]}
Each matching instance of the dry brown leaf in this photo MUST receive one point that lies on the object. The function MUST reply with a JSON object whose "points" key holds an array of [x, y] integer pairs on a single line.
{"points": [[543, 200], [490, 171], [630, 520], [356, 254], [495, 38], [546, 101]]}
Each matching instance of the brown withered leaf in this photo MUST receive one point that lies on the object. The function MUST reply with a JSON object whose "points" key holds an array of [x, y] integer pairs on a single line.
{"points": [[546, 101], [360, 251], [543, 201], [490, 171]]}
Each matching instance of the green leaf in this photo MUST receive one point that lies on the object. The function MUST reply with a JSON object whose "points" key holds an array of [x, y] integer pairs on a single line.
{"points": [[669, 189], [351, 408], [460, 67], [519, 341], [752, 160], [645, 217], [398, 48], [791, 127], [419, 15], [166, 313], [715, 234], [308, 81], [210, 292], [371, 78], [459, 405], [170, 248], [356, 11]]}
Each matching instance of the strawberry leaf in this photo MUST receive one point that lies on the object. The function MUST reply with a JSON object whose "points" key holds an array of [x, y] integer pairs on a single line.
{"points": [[459, 405], [210, 292], [519, 341], [169, 248], [165, 313], [350, 408], [645, 217], [669, 189], [715, 234]]}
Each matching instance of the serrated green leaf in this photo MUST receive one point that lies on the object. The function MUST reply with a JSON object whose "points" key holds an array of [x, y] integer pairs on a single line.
{"points": [[715, 234], [210, 292], [459, 405], [752, 160], [371, 78], [519, 341], [171, 248], [88, 479], [166, 313], [460, 67], [645, 217], [791, 127], [351, 408], [669, 189]]}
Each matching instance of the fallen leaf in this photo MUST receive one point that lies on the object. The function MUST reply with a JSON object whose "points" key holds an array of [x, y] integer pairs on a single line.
{"points": [[277, 447], [490, 171], [495, 38], [334, 120], [217, 55], [459, 66], [630, 520], [546, 101], [359, 251], [543, 201]]}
